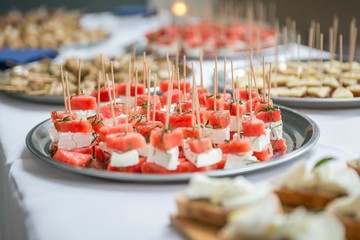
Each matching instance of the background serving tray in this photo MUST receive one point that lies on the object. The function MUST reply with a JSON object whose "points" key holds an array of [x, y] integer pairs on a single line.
{"points": [[300, 132]]}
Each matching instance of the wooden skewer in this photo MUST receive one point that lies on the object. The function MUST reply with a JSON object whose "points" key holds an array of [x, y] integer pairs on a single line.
{"points": [[177, 59], [98, 95], [193, 97], [144, 69], [178, 88], [321, 57], [184, 77], [264, 80], [68, 94], [133, 65], [113, 80], [276, 53], [298, 60], [79, 78], [201, 71], [232, 81], [237, 114], [331, 43], [64, 88], [154, 99], [111, 101], [317, 35], [335, 27], [310, 43], [214, 89], [285, 33], [169, 97], [168, 66], [224, 91], [269, 86], [250, 97], [341, 58], [216, 77], [252, 71], [127, 97], [103, 70], [197, 107], [136, 85], [148, 96]]}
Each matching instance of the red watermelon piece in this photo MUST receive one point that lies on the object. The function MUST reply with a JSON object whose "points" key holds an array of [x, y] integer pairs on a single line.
{"points": [[122, 89], [197, 145], [253, 128], [241, 145], [73, 158], [74, 126], [58, 115], [83, 102], [166, 140], [265, 154], [131, 169], [122, 142]]}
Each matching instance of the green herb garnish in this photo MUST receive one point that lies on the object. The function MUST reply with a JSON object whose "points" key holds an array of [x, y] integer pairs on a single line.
{"points": [[322, 161]]}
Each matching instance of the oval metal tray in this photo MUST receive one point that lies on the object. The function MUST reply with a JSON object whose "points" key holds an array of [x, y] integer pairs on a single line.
{"points": [[300, 132]]}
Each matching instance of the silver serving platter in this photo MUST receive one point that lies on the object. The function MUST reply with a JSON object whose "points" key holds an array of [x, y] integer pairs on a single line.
{"points": [[300, 132], [318, 103], [49, 99]]}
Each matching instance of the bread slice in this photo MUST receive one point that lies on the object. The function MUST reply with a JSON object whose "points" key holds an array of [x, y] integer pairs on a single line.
{"points": [[202, 211], [314, 200], [352, 227], [357, 169]]}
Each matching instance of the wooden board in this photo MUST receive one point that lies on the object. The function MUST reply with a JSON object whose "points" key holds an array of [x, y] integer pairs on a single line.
{"points": [[194, 230]]}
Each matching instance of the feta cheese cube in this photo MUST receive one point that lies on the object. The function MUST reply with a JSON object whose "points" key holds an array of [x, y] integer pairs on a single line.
{"points": [[258, 143], [218, 136], [54, 134], [276, 129], [124, 159], [66, 141], [239, 160], [83, 139], [144, 151], [84, 114], [168, 159], [233, 125]]}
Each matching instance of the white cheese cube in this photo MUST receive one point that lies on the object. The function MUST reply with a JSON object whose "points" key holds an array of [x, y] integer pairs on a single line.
{"points": [[239, 160], [66, 141], [110, 122], [144, 151], [83, 139], [102, 146], [124, 159], [218, 136], [84, 114], [131, 101], [259, 143], [207, 158], [168, 159], [276, 129], [54, 134]]}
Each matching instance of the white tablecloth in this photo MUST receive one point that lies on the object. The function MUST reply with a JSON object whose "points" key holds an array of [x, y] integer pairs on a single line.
{"points": [[39, 201]]}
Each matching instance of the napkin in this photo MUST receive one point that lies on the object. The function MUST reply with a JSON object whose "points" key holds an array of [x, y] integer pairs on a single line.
{"points": [[10, 57]]}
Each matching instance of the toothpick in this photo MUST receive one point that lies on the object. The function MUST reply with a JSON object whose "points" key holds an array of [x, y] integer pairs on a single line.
{"points": [[252, 71], [201, 71], [331, 45], [178, 87], [111, 101], [127, 97], [285, 33], [250, 97], [103, 70], [148, 96], [98, 95], [216, 77], [310, 44], [321, 57], [64, 88], [298, 59], [341, 58], [184, 77], [224, 91], [197, 107], [168, 66], [154, 100], [335, 27], [214, 89], [317, 35], [193, 97], [144, 69], [237, 114], [232, 81], [68, 94], [264, 86], [136, 85], [177, 59], [269, 86], [133, 65], [79, 78], [169, 97], [113, 80]]}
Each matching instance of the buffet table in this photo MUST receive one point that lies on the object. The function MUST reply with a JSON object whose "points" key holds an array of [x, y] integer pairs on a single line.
{"points": [[39, 201]]}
